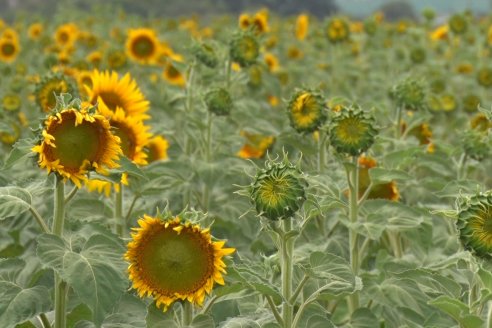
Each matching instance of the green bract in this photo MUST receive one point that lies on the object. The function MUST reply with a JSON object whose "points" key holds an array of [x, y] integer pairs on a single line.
{"points": [[206, 55], [352, 131], [278, 191], [306, 110], [409, 94], [475, 224], [219, 101], [244, 49]]}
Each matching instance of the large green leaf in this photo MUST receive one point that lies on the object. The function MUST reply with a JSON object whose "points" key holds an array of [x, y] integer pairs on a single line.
{"points": [[458, 310], [364, 318], [380, 175], [96, 273], [19, 303], [14, 201], [20, 151]]}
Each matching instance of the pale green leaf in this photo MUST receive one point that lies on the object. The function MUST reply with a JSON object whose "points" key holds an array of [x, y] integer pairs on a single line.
{"points": [[14, 201]]}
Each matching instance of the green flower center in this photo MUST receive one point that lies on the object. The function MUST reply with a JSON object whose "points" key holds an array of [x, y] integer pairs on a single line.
{"points": [[75, 144], [8, 49], [173, 263], [351, 130], [143, 47]]}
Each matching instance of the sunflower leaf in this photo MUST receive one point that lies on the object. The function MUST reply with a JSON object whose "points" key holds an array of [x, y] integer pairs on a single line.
{"points": [[20, 151], [13, 201], [95, 273], [380, 175]]}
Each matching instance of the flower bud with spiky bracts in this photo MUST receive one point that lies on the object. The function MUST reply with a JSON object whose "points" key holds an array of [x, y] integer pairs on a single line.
{"points": [[219, 101], [352, 131], [206, 55], [278, 191], [475, 224], [409, 94], [244, 49], [476, 144], [306, 110]]}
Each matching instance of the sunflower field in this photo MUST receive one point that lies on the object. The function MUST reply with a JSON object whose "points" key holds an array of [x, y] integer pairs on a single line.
{"points": [[249, 170]]}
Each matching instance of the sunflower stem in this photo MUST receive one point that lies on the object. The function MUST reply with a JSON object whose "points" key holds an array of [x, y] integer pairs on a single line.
{"points": [[44, 320], [187, 314], [71, 194], [286, 252], [39, 220], [118, 210], [58, 222], [189, 102], [321, 151], [353, 176], [228, 72], [489, 315], [461, 174], [398, 123]]}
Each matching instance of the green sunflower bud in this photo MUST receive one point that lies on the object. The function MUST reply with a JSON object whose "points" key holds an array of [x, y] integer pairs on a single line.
{"points": [[219, 101], [278, 191], [306, 110], [471, 102], [206, 55], [484, 77], [475, 224], [255, 76], [418, 55], [244, 49], [476, 144], [352, 131], [458, 24], [409, 94]]}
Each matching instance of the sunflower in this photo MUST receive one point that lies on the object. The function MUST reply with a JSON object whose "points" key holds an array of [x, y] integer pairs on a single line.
{"points": [[132, 132], [171, 260], [259, 22], [381, 191], [206, 55], [255, 76], [337, 30], [116, 59], [219, 101], [449, 102], [9, 49], [301, 28], [278, 191], [35, 30], [306, 110], [95, 58], [471, 102], [418, 55], [49, 87], [84, 81], [440, 33], [156, 148], [244, 21], [256, 145], [173, 76], [458, 24], [475, 224], [11, 102], [484, 76], [294, 52], [142, 45], [115, 92], [66, 35], [244, 49], [480, 122], [352, 131], [75, 141], [271, 61]]}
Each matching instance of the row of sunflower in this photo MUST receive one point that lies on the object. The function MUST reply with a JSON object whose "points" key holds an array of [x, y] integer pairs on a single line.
{"points": [[371, 130]]}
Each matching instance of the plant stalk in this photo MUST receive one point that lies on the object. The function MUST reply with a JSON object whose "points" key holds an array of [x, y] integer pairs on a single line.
{"points": [[286, 252], [398, 123], [120, 223], [353, 236], [187, 314], [58, 223]]}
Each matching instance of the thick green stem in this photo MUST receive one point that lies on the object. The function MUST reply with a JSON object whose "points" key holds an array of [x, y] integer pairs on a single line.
{"points": [[489, 315], [44, 321], [461, 174], [286, 252], [189, 104], [58, 222], [321, 151], [398, 123], [228, 73], [395, 241], [208, 158], [120, 223], [187, 314], [353, 236]]}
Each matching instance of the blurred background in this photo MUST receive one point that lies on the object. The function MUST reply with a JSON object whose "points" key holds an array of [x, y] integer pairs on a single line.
{"points": [[393, 9]]}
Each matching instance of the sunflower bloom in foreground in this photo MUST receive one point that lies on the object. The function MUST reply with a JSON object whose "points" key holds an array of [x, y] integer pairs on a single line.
{"points": [[75, 141], [475, 224], [124, 93], [171, 260]]}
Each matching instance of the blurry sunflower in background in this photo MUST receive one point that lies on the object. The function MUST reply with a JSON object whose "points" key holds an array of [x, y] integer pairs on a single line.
{"points": [[189, 262], [244, 49], [116, 59], [337, 30], [301, 27], [156, 148], [11, 102], [50, 86], [306, 110], [256, 145], [66, 35], [74, 141], [173, 76], [115, 92], [35, 31], [381, 191], [9, 49], [142, 45]]}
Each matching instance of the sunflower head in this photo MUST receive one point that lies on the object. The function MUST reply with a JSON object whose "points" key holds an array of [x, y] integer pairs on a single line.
{"points": [[9, 49], [11, 102], [306, 110], [301, 28], [337, 30], [476, 144], [142, 45], [255, 76], [244, 49], [480, 122], [409, 94], [172, 75], [75, 140], [156, 148], [219, 101], [458, 24], [48, 87], [256, 145], [437, 86], [418, 55], [206, 55], [66, 35], [475, 224], [278, 191], [172, 260], [352, 131], [484, 77], [471, 102], [449, 102]]}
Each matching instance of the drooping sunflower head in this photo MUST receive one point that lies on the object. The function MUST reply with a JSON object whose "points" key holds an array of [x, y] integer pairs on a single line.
{"points": [[271, 62], [301, 28], [352, 131], [206, 55], [409, 94], [307, 111], [480, 122], [458, 24], [475, 224], [142, 45], [244, 49], [75, 140], [48, 87], [131, 131], [278, 191], [156, 148], [219, 101], [471, 102], [172, 75], [484, 77], [337, 30], [9, 49], [476, 144], [172, 260], [116, 92]]}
